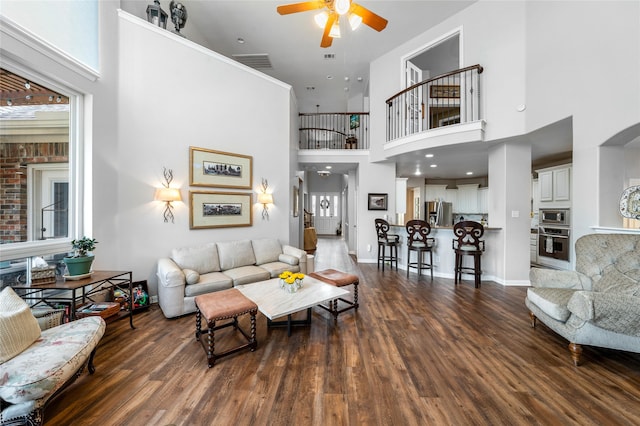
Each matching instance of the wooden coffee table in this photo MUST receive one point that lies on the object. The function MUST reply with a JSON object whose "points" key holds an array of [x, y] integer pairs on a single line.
{"points": [[275, 302]]}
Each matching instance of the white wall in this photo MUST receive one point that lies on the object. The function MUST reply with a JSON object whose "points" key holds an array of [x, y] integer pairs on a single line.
{"points": [[569, 60], [70, 25], [538, 54], [493, 36], [174, 94]]}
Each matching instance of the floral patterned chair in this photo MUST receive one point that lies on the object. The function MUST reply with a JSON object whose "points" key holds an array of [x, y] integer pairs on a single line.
{"points": [[598, 304], [36, 365]]}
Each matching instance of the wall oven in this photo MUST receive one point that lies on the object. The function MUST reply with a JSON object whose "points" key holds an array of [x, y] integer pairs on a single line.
{"points": [[554, 242], [554, 234]]}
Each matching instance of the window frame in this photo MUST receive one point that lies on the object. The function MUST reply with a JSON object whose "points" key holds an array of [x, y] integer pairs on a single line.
{"points": [[33, 248]]}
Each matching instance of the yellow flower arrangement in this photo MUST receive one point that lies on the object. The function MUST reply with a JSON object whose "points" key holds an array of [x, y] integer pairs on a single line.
{"points": [[291, 278]]}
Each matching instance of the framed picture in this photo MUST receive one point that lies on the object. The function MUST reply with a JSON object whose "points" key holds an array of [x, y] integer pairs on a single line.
{"points": [[354, 121], [219, 209], [377, 201], [220, 169], [296, 200], [445, 91]]}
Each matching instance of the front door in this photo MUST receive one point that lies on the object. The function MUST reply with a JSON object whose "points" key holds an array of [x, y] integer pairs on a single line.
{"points": [[326, 209]]}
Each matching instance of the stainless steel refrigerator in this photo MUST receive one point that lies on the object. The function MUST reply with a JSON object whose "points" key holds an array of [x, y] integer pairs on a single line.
{"points": [[439, 213]]}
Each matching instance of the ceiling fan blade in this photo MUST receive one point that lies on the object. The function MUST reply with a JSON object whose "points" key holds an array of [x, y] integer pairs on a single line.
{"points": [[286, 9], [326, 39], [376, 22]]}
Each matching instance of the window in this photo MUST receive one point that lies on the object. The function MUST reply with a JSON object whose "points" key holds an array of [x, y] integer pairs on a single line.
{"points": [[40, 146]]}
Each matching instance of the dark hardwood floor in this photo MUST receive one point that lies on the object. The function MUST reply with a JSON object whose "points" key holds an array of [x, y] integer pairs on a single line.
{"points": [[416, 352]]}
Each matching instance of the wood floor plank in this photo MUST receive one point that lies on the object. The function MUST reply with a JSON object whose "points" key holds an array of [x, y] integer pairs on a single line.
{"points": [[416, 352]]}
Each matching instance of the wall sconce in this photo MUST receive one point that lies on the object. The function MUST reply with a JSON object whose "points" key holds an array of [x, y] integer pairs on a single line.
{"points": [[265, 199], [156, 15], [168, 195]]}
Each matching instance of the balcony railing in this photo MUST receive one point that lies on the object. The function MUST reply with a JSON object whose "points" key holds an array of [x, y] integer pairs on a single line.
{"points": [[451, 98], [339, 130]]}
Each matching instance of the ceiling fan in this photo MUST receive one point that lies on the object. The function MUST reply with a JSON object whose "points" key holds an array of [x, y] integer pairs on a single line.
{"points": [[329, 18]]}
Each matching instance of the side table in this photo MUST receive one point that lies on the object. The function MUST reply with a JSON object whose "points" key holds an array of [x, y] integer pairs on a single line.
{"points": [[74, 292]]}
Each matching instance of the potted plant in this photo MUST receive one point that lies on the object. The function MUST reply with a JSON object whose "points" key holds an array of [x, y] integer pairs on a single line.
{"points": [[80, 262]]}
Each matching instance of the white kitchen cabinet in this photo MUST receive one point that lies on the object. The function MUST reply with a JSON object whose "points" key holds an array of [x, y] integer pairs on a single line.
{"points": [[483, 200], [435, 192], [467, 198], [535, 195], [451, 196], [545, 180], [555, 186], [561, 184]]}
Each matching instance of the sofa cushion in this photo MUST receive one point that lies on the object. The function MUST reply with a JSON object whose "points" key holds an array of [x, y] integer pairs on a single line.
{"points": [[613, 280], [207, 283], [202, 259], [50, 361], [247, 274], [266, 250], [191, 276], [234, 254], [552, 301], [276, 268], [18, 327]]}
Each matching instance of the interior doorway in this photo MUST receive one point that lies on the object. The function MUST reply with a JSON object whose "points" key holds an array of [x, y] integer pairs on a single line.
{"points": [[424, 109]]}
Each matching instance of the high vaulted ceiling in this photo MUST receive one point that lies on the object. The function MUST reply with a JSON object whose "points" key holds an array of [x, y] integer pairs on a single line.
{"points": [[289, 46], [292, 42]]}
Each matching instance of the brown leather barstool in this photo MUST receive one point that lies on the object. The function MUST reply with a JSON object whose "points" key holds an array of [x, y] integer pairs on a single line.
{"points": [[467, 242], [419, 241], [386, 240]]}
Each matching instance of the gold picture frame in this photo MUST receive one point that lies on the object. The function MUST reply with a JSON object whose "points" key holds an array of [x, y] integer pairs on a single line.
{"points": [[220, 209], [219, 169], [444, 91]]}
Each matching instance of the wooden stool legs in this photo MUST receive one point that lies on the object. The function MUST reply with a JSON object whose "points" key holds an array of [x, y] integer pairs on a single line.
{"points": [[207, 337]]}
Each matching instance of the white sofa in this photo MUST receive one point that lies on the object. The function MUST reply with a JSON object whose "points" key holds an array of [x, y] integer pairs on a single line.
{"points": [[192, 271]]}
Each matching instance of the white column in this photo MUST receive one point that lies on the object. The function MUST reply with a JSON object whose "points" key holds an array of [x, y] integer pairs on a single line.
{"points": [[509, 207]]}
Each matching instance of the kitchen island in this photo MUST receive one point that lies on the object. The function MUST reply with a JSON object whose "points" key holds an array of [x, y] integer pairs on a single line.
{"points": [[444, 256]]}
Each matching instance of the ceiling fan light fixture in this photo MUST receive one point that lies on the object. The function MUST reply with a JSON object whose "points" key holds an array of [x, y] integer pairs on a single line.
{"points": [[354, 21], [321, 19], [342, 6], [335, 30]]}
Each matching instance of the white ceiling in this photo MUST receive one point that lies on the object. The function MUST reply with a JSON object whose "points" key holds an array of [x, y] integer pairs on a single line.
{"points": [[292, 43]]}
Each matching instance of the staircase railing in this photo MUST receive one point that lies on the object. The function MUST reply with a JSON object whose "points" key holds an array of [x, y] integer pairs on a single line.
{"points": [[339, 130], [448, 99]]}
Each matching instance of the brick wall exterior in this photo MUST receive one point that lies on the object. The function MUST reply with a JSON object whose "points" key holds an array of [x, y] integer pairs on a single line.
{"points": [[14, 158]]}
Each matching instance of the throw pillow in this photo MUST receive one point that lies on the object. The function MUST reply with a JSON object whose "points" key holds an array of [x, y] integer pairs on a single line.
{"points": [[191, 276], [202, 259], [266, 250], [613, 280], [18, 327]]}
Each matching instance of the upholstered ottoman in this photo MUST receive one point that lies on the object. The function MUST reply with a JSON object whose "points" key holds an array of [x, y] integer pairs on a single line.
{"points": [[222, 305], [338, 279]]}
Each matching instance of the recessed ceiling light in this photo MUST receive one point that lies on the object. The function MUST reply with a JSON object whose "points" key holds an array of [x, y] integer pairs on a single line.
{"points": [[329, 77], [328, 167], [418, 173], [433, 165], [359, 78], [240, 40], [346, 79], [469, 173], [429, 155]]}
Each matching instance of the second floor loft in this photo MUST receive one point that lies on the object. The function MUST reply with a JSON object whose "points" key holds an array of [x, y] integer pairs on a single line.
{"points": [[451, 99]]}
